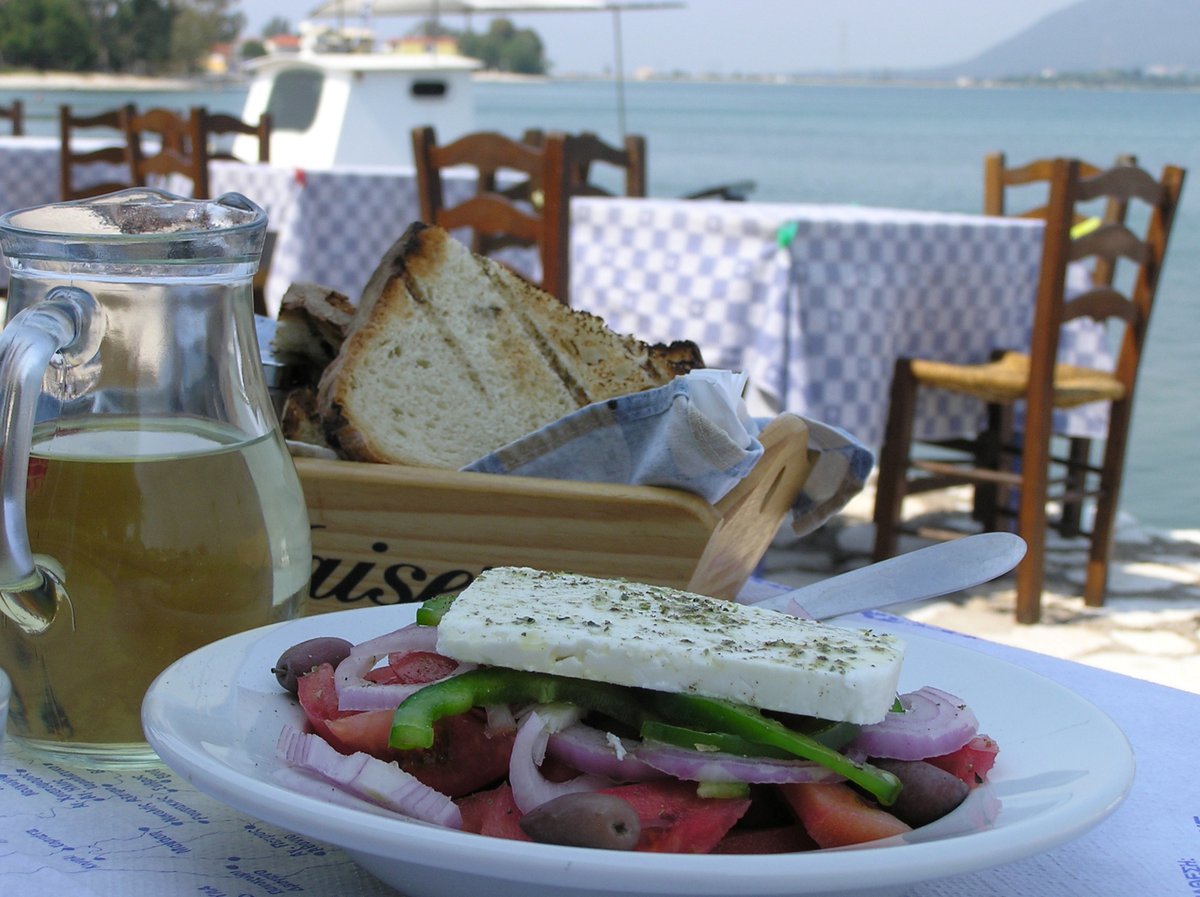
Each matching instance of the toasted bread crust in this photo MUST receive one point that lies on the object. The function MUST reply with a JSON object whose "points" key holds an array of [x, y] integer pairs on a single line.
{"points": [[312, 324], [452, 355], [300, 418]]}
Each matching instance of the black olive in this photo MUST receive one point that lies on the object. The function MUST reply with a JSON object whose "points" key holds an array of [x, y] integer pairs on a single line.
{"points": [[585, 819], [304, 657]]}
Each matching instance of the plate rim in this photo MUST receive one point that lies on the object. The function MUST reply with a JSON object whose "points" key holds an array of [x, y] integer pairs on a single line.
{"points": [[433, 846]]}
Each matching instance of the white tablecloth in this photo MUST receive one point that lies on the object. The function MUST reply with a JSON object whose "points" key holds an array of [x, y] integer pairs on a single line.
{"points": [[814, 301], [151, 834]]}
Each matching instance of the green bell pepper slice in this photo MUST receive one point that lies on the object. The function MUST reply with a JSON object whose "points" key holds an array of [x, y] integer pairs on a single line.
{"points": [[739, 719], [430, 612], [412, 725]]}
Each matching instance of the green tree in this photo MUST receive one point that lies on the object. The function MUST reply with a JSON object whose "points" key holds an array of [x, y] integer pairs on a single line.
{"points": [[140, 36], [131, 35], [524, 54], [253, 48], [46, 34], [505, 48], [276, 26], [198, 25]]}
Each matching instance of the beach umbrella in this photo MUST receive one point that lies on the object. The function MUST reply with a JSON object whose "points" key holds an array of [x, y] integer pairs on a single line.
{"points": [[339, 9]]}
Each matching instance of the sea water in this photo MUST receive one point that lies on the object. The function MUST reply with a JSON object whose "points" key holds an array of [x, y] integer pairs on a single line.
{"points": [[899, 146]]}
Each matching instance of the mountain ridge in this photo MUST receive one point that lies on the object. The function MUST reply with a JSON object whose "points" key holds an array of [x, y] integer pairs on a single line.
{"points": [[1103, 35]]}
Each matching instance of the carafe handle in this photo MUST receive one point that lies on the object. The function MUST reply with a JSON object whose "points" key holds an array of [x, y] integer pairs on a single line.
{"points": [[62, 328]]}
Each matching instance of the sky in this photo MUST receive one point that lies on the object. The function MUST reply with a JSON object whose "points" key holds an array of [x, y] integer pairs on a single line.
{"points": [[750, 36]]}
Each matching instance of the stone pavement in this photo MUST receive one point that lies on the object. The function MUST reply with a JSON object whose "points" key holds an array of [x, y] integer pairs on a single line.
{"points": [[1149, 627]]}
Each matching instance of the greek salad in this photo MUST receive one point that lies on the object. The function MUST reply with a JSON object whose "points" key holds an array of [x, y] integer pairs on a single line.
{"points": [[533, 755]]}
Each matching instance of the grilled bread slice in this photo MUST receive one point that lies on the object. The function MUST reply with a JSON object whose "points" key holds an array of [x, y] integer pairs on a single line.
{"points": [[452, 355], [312, 324]]}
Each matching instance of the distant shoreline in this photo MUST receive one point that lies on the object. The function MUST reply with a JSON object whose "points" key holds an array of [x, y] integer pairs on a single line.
{"points": [[94, 81], [102, 81]]}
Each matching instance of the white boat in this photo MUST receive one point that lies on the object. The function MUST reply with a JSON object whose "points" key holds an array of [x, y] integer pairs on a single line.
{"points": [[359, 108], [336, 109]]}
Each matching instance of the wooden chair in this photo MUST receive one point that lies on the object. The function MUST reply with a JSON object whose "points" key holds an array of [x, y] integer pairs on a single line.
{"points": [[219, 125], [999, 179], [586, 149], [217, 128], [112, 165], [1024, 182], [1036, 378], [177, 147], [631, 157], [495, 217], [15, 113]]}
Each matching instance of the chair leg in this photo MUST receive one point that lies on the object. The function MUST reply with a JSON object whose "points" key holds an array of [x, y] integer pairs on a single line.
{"points": [[894, 455], [1078, 457], [988, 457], [1111, 473], [1031, 516]]}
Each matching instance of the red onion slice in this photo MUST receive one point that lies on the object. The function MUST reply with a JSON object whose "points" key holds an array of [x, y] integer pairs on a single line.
{"points": [[356, 692], [408, 638], [934, 723], [717, 766], [383, 784], [529, 787], [590, 750]]}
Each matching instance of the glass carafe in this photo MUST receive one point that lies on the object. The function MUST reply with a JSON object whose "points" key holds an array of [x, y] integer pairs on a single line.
{"points": [[150, 505]]}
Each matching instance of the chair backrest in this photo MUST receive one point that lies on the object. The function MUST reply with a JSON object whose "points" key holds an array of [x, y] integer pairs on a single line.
{"points": [[177, 147], [112, 165], [1073, 185], [585, 149], [999, 179], [15, 113], [219, 125], [542, 220]]}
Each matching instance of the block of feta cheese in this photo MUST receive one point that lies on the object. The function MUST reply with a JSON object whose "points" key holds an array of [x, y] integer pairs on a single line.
{"points": [[664, 639]]}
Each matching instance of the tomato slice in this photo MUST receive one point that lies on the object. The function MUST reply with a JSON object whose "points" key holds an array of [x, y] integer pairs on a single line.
{"points": [[675, 819], [972, 762], [777, 839], [318, 699], [419, 667], [464, 758], [492, 813], [834, 814]]}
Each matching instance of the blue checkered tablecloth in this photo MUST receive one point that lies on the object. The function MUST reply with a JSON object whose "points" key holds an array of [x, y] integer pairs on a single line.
{"points": [[28, 172], [333, 225], [814, 302]]}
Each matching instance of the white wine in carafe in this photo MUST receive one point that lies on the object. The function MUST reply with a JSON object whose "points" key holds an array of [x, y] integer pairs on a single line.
{"points": [[167, 536]]}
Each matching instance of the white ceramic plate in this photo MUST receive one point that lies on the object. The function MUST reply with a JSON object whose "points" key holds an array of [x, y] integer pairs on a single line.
{"points": [[1063, 766]]}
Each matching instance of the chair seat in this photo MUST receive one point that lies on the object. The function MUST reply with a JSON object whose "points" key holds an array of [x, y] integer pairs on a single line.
{"points": [[1006, 380]]}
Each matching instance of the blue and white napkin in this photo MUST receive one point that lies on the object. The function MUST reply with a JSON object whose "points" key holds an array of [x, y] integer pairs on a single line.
{"points": [[693, 434]]}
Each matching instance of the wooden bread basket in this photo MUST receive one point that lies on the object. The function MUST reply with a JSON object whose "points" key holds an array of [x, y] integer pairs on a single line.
{"points": [[386, 534]]}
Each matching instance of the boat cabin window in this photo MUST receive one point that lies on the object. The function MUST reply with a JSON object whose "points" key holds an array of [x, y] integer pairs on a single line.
{"points": [[429, 88], [294, 98]]}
